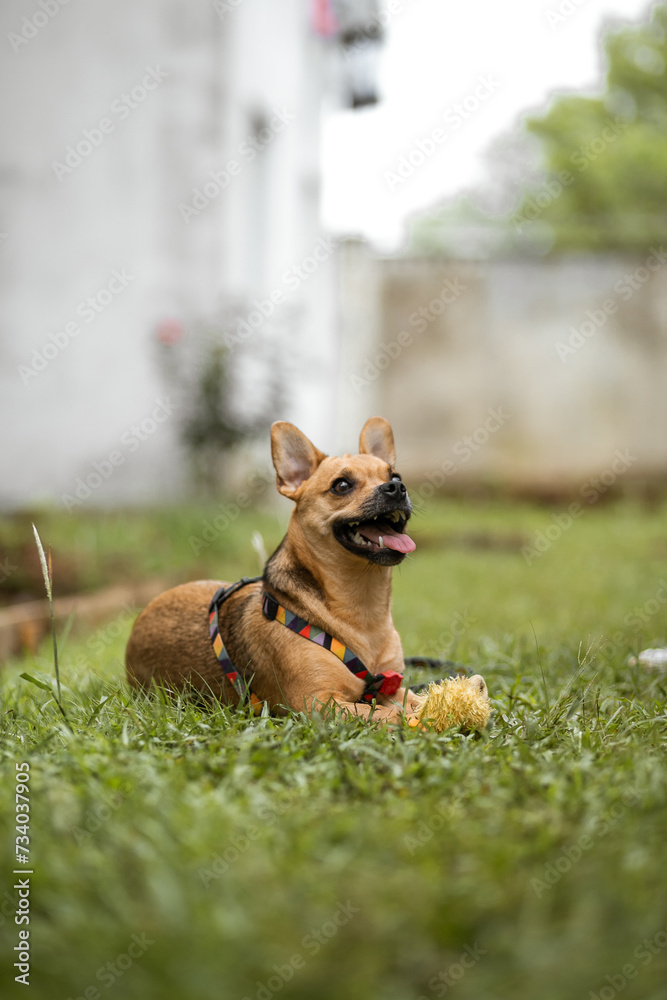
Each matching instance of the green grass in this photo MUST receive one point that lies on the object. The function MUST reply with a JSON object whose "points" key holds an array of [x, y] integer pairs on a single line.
{"points": [[308, 859]]}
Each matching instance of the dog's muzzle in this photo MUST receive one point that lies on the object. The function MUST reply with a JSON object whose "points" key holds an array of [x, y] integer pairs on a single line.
{"points": [[379, 532]]}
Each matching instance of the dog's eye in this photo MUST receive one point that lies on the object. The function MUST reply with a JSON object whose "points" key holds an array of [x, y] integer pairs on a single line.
{"points": [[396, 476], [341, 486]]}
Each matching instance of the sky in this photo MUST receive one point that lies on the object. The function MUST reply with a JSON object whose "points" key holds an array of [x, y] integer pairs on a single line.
{"points": [[453, 76]]}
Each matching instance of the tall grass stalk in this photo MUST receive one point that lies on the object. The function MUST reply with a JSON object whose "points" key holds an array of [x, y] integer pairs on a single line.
{"points": [[47, 571]]}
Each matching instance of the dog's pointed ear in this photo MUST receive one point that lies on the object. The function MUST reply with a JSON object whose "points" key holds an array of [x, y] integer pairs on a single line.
{"points": [[377, 438], [295, 458]]}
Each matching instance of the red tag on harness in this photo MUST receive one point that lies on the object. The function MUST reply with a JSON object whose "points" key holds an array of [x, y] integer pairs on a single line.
{"points": [[392, 682]]}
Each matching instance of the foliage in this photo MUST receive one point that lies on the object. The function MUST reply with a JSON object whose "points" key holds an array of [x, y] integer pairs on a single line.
{"points": [[206, 371], [211, 417], [606, 156], [377, 859], [602, 184]]}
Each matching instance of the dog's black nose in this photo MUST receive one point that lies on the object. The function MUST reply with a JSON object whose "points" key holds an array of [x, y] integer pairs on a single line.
{"points": [[394, 488]]}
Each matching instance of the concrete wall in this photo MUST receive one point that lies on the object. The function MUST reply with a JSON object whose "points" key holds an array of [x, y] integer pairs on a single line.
{"points": [[114, 210], [70, 395], [532, 373], [205, 79]]}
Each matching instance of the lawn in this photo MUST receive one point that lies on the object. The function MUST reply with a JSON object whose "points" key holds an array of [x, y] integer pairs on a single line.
{"points": [[183, 853]]}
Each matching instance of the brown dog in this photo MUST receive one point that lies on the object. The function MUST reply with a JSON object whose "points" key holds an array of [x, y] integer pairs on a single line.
{"points": [[332, 570]]}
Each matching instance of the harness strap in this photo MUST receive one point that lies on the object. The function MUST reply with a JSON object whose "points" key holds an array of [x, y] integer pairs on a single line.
{"points": [[235, 678], [386, 683]]}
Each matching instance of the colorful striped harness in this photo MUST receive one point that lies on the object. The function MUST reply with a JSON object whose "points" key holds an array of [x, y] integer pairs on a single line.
{"points": [[386, 683]]}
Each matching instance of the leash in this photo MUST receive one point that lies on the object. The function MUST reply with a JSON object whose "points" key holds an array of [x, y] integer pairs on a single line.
{"points": [[453, 669], [387, 683]]}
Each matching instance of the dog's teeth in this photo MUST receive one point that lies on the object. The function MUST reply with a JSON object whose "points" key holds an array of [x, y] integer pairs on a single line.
{"points": [[353, 524], [381, 542]]}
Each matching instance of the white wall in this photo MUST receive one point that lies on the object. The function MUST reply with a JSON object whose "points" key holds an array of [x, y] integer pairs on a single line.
{"points": [[119, 210], [279, 66], [114, 211]]}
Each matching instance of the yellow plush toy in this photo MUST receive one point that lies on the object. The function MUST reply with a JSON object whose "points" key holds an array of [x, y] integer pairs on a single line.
{"points": [[458, 702]]}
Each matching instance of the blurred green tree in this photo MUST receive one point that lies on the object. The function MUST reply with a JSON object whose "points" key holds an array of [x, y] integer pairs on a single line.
{"points": [[228, 391], [588, 174], [606, 156], [212, 426]]}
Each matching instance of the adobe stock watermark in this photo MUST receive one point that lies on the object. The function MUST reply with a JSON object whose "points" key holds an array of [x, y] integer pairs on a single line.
{"points": [[566, 8], [91, 821], [635, 620], [130, 441], [241, 842], [121, 109], [219, 180], [460, 624], [591, 491], [106, 635], [418, 321], [224, 7], [32, 24], [595, 319], [96, 816], [87, 310], [291, 281], [6, 569], [440, 818], [573, 853], [553, 187], [227, 513], [443, 981], [463, 450], [645, 952], [454, 118], [374, 25], [112, 971], [312, 943]]}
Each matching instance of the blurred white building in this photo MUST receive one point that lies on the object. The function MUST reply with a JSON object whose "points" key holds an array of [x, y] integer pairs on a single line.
{"points": [[160, 160]]}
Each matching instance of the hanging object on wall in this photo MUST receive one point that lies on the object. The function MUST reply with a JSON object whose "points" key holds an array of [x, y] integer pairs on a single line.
{"points": [[323, 18], [357, 27]]}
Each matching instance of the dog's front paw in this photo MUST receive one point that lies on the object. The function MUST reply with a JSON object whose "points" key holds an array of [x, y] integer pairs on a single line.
{"points": [[414, 703]]}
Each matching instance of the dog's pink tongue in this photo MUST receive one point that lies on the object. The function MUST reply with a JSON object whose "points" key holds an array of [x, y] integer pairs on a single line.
{"points": [[392, 539]]}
